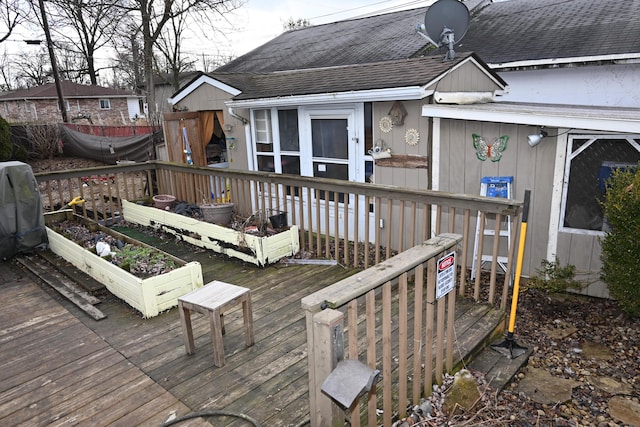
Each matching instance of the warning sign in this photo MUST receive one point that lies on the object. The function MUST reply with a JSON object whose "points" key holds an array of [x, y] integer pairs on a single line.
{"points": [[446, 275]]}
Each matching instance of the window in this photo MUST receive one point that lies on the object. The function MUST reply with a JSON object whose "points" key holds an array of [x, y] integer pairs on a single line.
{"points": [[264, 140], [66, 104], [590, 161], [105, 104]]}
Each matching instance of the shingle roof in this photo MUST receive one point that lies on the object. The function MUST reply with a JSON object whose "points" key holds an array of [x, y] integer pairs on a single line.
{"points": [[69, 89], [359, 77], [500, 32], [379, 38], [520, 30]]}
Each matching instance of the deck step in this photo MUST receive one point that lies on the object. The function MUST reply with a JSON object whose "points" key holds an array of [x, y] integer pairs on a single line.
{"points": [[498, 368], [49, 274]]}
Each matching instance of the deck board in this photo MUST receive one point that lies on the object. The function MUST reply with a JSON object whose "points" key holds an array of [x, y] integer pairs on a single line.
{"points": [[57, 371], [146, 358]]}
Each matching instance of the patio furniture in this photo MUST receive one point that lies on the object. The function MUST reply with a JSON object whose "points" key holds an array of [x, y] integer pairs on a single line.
{"points": [[213, 300]]}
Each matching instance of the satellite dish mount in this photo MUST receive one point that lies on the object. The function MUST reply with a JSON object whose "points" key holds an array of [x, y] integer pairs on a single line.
{"points": [[444, 20]]}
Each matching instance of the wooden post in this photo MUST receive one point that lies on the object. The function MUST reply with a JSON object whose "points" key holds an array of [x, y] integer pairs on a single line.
{"points": [[326, 337]]}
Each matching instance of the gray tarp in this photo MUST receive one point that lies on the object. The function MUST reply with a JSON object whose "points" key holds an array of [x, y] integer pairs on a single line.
{"points": [[105, 149], [22, 226]]}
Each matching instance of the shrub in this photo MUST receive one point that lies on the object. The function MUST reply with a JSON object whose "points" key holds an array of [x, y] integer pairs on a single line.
{"points": [[621, 244], [553, 278], [6, 146]]}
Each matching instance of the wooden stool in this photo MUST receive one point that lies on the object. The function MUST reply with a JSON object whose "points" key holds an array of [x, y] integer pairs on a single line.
{"points": [[212, 300]]}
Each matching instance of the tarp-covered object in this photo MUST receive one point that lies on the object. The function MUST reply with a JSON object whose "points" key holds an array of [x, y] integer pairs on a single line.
{"points": [[22, 226], [137, 148]]}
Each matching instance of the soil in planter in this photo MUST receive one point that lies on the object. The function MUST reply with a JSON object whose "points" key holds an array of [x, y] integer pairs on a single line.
{"points": [[140, 261]]}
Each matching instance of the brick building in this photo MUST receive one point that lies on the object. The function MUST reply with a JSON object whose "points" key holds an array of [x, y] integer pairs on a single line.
{"points": [[85, 105]]}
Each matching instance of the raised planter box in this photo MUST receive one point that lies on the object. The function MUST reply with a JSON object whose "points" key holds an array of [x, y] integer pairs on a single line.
{"points": [[256, 250], [150, 296]]}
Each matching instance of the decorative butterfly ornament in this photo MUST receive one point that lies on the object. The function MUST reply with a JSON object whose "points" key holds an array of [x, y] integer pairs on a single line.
{"points": [[489, 150]]}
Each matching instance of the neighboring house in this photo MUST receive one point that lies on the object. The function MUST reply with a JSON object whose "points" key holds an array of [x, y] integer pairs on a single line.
{"points": [[315, 101], [85, 104]]}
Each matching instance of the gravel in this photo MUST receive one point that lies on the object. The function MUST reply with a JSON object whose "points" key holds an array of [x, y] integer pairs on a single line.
{"points": [[586, 340]]}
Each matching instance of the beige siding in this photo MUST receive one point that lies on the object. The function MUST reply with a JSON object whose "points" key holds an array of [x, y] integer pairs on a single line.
{"points": [[583, 251], [461, 171], [468, 77], [403, 177]]}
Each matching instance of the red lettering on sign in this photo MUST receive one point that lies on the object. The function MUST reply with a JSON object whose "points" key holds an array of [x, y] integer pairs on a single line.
{"points": [[446, 263]]}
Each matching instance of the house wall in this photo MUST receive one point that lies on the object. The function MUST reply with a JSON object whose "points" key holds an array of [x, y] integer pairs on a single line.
{"points": [[602, 85], [207, 98], [539, 169], [395, 140], [46, 111], [460, 171], [466, 77]]}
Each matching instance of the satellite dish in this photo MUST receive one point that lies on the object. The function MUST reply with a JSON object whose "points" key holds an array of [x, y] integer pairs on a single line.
{"points": [[447, 22]]}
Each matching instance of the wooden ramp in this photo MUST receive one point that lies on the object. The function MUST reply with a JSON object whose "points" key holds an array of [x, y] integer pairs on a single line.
{"points": [[56, 371]]}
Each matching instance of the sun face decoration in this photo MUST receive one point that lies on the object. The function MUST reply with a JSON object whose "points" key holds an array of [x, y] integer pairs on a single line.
{"points": [[489, 150]]}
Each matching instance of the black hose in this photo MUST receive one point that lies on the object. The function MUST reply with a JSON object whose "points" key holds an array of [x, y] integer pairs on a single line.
{"points": [[211, 414]]}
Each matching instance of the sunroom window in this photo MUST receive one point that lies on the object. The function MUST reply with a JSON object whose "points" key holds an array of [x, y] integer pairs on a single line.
{"points": [[590, 161], [264, 140]]}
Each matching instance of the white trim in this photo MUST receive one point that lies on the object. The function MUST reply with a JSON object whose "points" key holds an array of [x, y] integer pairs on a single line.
{"points": [[187, 90], [374, 95], [618, 120], [557, 194], [570, 60], [435, 167]]}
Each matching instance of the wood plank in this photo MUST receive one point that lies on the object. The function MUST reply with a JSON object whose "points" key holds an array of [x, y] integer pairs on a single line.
{"points": [[65, 287]]}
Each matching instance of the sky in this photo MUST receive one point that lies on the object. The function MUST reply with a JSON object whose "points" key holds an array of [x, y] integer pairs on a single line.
{"points": [[263, 20]]}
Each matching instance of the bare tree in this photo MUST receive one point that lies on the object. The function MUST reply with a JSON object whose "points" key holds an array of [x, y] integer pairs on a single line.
{"points": [[12, 14], [86, 26], [294, 24], [169, 44], [33, 69], [153, 15]]}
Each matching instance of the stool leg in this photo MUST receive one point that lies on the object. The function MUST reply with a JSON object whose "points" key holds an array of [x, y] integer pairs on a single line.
{"points": [[187, 331], [247, 313], [216, 338]]}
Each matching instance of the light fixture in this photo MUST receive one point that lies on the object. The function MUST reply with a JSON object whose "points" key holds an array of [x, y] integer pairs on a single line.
{"points": [[535, 139], [228, 127]]}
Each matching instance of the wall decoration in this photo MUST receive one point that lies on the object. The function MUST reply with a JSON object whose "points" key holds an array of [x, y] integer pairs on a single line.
{"points": [[412, 137], [379, 150], [489, 150], [386, 124], [397, 113]]}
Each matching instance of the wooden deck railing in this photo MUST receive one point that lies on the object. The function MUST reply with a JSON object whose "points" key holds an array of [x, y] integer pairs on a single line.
{"points": [[356, 224], [384, 307]]}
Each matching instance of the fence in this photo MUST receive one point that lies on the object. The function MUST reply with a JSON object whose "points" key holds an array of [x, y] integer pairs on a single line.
{"points": [[357, 224], [394, 295]]}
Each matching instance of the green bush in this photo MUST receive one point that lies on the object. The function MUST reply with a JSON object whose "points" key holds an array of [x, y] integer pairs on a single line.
{"points": [[6, 147], [621, 245], [553, 278]]}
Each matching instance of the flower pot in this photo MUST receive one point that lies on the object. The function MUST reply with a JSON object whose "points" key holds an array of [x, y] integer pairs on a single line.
{"points": [[278, 220], [217, 213], [164, 201]]}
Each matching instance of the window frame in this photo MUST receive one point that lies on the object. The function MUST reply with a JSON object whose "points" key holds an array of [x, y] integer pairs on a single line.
{"points": [[632, 140], [107, 101]]}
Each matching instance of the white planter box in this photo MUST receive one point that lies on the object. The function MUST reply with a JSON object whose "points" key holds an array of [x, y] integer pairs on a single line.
{"points": [[256, 250], [150, 296]]}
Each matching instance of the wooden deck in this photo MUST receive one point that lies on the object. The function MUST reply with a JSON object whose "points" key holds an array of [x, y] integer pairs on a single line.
{"points": [[60, 367]]}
